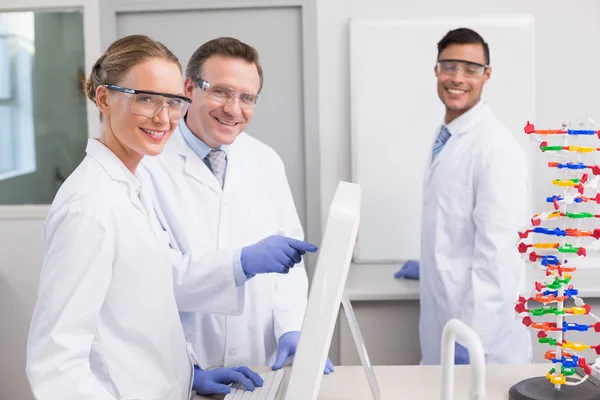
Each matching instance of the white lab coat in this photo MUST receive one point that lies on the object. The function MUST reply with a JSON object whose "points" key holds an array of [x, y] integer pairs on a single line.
{"points": [[475, 200], [216, 223], [106, 325]]}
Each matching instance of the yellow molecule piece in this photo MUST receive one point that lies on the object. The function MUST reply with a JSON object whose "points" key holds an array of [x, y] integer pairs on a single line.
{"points": [[575, 310], [551, 245], [557, 380], [558, 182], [581, 149], [575, 346]]}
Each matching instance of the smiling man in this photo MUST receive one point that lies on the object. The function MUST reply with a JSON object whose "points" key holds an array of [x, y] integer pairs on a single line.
{"points": [[476, 199], [224, 196]]}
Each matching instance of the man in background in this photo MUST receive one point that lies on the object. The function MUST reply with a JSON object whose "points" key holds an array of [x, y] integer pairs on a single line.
{"points": [[475, 195]]}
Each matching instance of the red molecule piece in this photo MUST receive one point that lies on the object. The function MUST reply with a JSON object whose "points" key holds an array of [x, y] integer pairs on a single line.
{"points": [[584, 178], [597, 327], [596, 233], [527, 321], [581, 252], [523, 248], [596, 170], [530, 128], [541, 334], [539, 286]]}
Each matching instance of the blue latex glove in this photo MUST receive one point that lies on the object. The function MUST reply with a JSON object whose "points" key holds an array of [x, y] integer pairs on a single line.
{"points": [[288, 342], [273, 254], [216, 381], [409, 270], [461, 354]]}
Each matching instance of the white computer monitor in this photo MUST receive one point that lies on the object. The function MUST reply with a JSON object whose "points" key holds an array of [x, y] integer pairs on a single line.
{"points": [[329, 279]]}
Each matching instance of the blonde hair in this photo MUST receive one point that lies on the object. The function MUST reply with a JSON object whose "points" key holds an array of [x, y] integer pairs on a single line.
{"points": [[122, 55]]}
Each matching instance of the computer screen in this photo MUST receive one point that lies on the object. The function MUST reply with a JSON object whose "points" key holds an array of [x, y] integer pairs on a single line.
{"points": [[329, 279]]}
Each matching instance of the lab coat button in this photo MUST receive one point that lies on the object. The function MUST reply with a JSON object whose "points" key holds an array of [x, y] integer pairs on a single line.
{"points": [[232, 352]]}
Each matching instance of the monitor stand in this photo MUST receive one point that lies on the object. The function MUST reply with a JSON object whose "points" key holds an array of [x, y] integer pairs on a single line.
{"points": [[360, 347]]}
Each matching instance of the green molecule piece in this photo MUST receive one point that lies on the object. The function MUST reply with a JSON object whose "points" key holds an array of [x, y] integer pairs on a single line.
{"points": [[579, 215], [568, 248], [551, 148], [549, 340], [546, 310], [566, 371], [558, 282]]}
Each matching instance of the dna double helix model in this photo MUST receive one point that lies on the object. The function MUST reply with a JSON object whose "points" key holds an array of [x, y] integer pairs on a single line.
{"points": [[555, 242]]}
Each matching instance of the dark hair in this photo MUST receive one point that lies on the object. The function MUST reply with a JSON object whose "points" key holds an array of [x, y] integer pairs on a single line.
{"points": [[226, 47], [120, 56], [464, 36]]}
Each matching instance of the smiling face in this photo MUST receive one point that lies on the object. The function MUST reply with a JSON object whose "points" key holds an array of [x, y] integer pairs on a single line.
{"points": [[458, 92], [130, 135], [215, 123]]}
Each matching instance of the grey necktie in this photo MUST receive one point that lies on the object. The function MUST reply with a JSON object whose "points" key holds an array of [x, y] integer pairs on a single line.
{"points": [[216, 159]]}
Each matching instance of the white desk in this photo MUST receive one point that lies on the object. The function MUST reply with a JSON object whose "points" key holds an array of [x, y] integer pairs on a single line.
{"points": [[416, 382]]}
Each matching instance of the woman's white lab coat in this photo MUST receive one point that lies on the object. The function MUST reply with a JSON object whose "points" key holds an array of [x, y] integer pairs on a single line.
{"points": [[255, 202], [105, 325], [475, 200]]}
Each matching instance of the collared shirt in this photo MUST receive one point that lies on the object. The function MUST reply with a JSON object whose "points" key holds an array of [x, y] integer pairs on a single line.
{"points": [[198, 146], [202, 149], [459, 123]]}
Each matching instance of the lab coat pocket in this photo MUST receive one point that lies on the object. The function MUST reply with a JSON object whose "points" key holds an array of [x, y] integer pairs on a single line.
{"points": [[453, 233]]}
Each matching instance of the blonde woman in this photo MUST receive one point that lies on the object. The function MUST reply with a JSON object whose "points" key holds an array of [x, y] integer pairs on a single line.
{"points": [[106, 324]]}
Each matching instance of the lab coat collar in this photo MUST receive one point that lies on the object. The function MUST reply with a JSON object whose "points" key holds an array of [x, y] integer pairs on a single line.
{"points": [[199, 147], [461, 125], [194, 166], [112, 165]]}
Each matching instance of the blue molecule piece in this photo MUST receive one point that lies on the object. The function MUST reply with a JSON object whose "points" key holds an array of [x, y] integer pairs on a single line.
{"points": [[580, 132], [571, 326], [572, 165], [567, 362], [548, 231], [552, 198], [549, 260], [571, 292]]}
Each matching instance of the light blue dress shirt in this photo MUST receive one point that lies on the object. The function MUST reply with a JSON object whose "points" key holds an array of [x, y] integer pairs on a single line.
{"points": [[202, 149]]}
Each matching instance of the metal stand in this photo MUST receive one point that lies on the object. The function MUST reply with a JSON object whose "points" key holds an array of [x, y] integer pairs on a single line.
{"points": [[360, 347], [540, 388]]}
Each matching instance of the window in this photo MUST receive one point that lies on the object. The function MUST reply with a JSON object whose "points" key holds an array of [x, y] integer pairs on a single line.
{"points": [[17, 145]]}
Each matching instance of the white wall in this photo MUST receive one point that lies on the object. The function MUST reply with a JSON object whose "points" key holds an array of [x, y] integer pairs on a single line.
{"points": [[567, 59]]}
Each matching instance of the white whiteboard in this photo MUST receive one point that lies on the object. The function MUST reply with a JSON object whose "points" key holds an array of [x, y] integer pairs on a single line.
{"points": [[395, 111]]}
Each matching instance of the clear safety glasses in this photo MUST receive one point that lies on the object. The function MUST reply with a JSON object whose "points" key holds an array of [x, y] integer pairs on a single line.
{"points": [[148, 103], [469, 69], [225, 94]]}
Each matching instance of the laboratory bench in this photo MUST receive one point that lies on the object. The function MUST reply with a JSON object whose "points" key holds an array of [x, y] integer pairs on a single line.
{"points": [[413, 382], [387, 310]]}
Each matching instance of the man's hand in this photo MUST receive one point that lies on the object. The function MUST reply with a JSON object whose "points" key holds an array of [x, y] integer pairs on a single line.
{"points": [[288, 342]]}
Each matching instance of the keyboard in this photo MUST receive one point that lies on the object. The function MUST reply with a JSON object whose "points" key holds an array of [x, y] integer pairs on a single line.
{"points": [[271, 382]]}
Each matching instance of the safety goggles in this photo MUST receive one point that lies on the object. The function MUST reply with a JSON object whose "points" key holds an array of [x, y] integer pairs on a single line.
{"points": [[225, 94], [148, 103], [469, 69]]}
